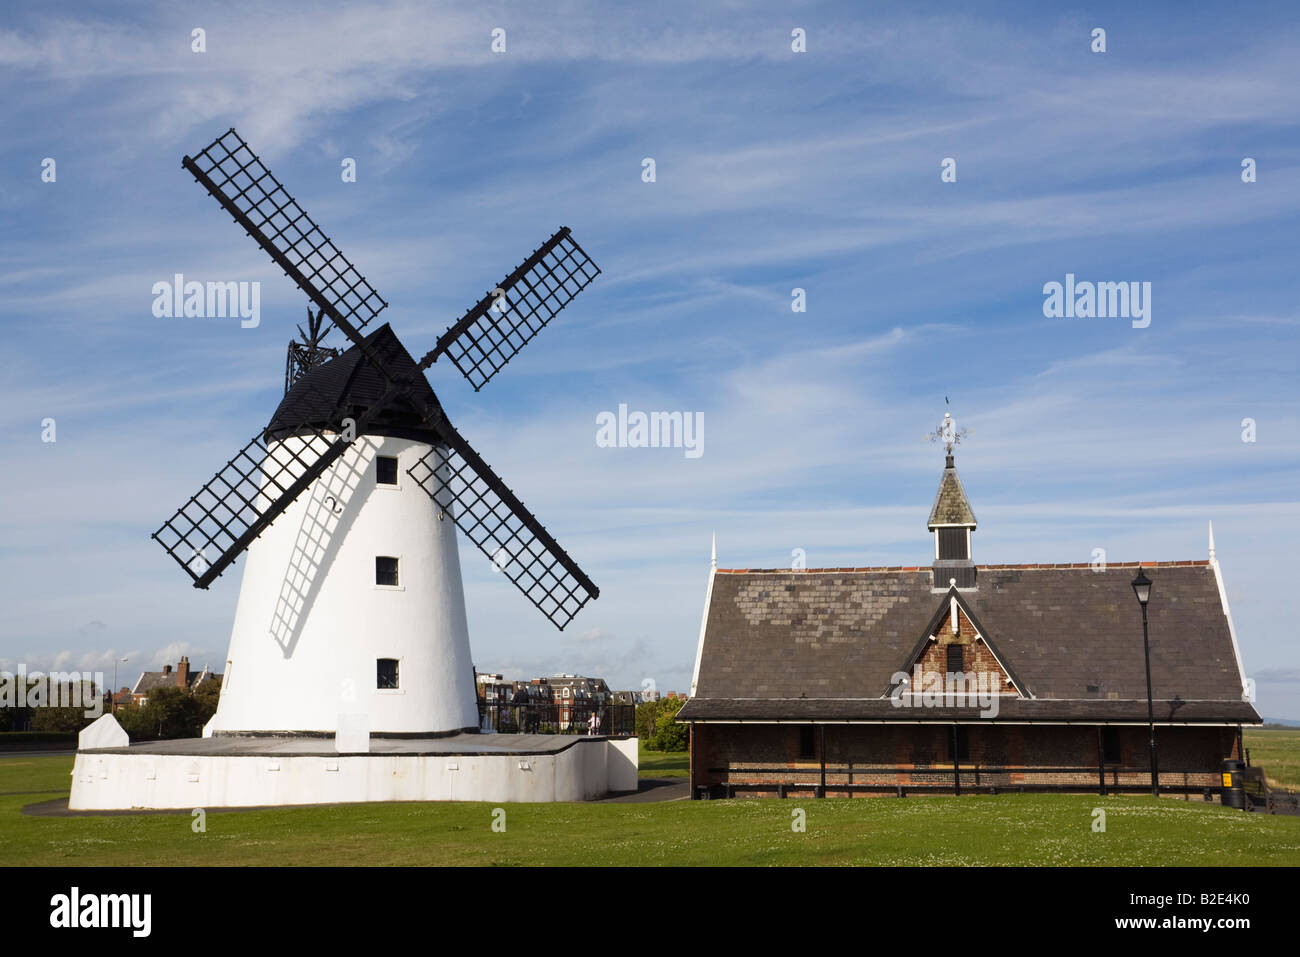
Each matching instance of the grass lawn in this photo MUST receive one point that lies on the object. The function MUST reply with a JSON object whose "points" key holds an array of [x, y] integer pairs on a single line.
{"points": [[663, 764], [1008, 829], [1279, 753]]}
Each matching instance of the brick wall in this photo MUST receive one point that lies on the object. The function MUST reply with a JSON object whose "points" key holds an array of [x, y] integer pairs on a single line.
{"points": [[919, 756], [976, 655]]}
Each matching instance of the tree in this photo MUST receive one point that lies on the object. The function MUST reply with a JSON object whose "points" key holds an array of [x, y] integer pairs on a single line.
{"points": [[646, 713], [70, 714], [207, 695], [669, 735], [657, 728], [168, 713]]}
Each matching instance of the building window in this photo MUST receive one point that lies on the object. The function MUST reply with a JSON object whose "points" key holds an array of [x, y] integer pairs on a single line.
{"points": [[960, 736], [385, 570], [956, 659], [386, 674], [386, 469], [807, 742], [1110, 752]]}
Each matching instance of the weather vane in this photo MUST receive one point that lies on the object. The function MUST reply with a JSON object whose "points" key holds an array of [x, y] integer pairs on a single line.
{"points": [[947, 432]]}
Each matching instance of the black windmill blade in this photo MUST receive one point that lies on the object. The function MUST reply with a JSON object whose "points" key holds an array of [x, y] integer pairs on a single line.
{"points": [[234, 176], [505, 320], [493, 518], [261, 480]]}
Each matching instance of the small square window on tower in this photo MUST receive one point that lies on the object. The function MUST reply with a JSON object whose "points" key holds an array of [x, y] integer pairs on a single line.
{"points": [[386, 469], [386, 674], [385, 570]]}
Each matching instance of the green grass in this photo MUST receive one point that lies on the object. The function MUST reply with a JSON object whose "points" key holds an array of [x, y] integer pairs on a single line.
{"points": [[1008, 829], [1279, 753], [663, 764]]}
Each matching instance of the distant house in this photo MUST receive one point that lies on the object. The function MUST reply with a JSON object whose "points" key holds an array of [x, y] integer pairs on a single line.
{"points": [[561, 703], [957, 676], [179, 677], [577, 696]]}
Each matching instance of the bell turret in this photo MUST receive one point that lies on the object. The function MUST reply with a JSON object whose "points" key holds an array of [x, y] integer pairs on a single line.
{"points": [[951, 518]]}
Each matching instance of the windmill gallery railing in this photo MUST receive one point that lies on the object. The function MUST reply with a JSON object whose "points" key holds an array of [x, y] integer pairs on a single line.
{"points": [[551, 717]]}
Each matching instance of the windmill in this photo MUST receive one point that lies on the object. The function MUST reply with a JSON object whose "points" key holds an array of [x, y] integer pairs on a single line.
{"points": [[316, 500]]}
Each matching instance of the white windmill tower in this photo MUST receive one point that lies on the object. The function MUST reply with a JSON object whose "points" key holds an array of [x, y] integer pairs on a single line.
{"points": [[351, 611]]}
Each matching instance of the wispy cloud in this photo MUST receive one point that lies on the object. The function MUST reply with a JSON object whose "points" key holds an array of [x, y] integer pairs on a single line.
{"points": [[775, 170]]}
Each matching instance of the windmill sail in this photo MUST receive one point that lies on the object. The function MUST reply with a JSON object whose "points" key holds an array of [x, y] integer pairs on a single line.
{"points": [[490, 515], [483, 340], [259, 482], [375, 383], [237, 179], [262, 479]]}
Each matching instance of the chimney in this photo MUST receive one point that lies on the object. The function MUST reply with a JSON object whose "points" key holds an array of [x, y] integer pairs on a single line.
{"points": [[183, 673]]}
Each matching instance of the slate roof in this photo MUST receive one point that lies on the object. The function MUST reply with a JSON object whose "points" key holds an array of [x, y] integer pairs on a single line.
{"points": [[823, 644], [951, 506], [348, 385], [152, 680]]}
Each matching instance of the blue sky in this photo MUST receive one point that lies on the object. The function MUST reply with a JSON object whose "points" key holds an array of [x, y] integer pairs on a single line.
{"points": [[775, 170]]}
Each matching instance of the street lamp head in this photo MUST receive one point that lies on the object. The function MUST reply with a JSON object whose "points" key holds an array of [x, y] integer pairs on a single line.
{"points": [[1142, 587]]}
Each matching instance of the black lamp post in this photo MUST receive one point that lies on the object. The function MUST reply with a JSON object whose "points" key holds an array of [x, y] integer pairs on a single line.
{"points": [[1142, 589]]}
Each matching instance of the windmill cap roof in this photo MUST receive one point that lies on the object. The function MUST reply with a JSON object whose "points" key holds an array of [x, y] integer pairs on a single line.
{"points": [[951, 506], [350, 385]]}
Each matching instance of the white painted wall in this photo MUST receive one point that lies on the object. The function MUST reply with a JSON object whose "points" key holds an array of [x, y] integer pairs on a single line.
{"points": [[311, 622], [623, 760], [103, 732], [115, 781]]}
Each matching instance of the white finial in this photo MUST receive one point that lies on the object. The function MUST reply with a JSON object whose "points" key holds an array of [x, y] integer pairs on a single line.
{"points": [[715, 549], [1211, 541]]}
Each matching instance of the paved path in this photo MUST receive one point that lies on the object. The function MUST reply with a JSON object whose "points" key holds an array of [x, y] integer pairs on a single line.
{"points": [[70, 752], [653, 789]]}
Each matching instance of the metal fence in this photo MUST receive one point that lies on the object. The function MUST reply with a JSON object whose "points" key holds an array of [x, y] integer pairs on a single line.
{"points": [[557, 717]]}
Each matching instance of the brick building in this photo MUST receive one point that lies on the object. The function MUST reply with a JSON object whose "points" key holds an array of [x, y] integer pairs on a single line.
{"points": [[179, 677], [957, 676]]}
